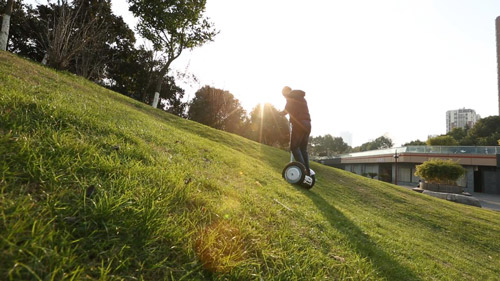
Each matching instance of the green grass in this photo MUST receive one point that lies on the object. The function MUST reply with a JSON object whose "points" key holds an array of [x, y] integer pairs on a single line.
{"points": [[96, 186]]}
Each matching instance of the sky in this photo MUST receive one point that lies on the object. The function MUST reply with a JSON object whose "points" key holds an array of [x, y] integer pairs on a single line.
{"points": [[369, 68]]}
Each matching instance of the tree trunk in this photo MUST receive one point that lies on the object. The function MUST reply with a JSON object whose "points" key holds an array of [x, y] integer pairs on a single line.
{"points": [[159, 83], [4, 33], [45, 58], [156, 98]]}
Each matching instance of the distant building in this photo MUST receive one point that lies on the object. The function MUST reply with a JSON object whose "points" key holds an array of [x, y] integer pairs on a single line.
{"points": [[461, 118], [482, 164]]}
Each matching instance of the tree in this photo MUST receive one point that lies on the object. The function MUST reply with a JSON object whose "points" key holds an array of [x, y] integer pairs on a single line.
{"points": [[70, 29], [443, 140], [130, 72], [172, 26], [415, 142], [269, 127], [486, 131], [24, 31], [337, 145], [440, 171], [328, 145], [108, 43], [458, 134], [316, 146], [4, 31], [218, 109], [110, 58], [45, 32], [379, 143], [171, 98]]}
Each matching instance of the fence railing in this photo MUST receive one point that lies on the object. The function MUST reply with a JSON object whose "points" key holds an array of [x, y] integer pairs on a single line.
{"points": [[478, 150]]}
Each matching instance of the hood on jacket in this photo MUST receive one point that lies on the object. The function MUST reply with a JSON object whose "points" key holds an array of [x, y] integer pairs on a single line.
{"points": [[296, 94]]}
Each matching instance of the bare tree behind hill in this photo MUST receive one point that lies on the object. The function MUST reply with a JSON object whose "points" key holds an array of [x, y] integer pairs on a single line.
{"points": [[69, 32]]}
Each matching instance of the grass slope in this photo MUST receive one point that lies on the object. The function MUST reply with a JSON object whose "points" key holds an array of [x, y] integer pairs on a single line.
{"points": [[94, 185]]}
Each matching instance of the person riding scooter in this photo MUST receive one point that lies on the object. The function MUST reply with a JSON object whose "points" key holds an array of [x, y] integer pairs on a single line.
{"points": [[296, 107]]}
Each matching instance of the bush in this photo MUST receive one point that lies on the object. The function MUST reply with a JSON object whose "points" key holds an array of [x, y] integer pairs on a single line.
{"points": [[440, 171]]}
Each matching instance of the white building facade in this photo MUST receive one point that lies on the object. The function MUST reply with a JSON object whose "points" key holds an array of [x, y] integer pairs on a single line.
{"points": [[461, 118]]}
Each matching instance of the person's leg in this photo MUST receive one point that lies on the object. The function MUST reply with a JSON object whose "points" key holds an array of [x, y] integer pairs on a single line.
{"points": [[304, 143], [295, 142], [305, 157]]}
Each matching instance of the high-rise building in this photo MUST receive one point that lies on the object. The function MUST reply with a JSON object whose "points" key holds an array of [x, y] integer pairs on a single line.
{"points": [[461, 118], [497, 23]]}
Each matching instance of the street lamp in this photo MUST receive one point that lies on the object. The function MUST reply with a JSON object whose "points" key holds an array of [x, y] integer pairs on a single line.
{"points": [[396, 156]]}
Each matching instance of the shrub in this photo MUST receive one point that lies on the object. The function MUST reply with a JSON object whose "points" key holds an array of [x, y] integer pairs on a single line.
{"points": [[440, 171]]}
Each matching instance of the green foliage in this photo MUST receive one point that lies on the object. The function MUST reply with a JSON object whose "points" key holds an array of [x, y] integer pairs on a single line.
{"points": [[110, 58], [218, 109], [486, 131], [268, 126], [171, 25], [370, 174], [132, 74], [440, 171], [97, 186], [25, 31], [81, 36], [108, 40], [459, 134], [379, 143], [443, 140], [327, 145], [415, 143]]}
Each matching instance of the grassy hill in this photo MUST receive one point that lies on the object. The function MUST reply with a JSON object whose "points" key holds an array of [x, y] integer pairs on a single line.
{"points": [[94, 185]]}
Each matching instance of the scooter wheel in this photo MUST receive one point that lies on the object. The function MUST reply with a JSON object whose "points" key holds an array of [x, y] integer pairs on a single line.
{"points": [[294, 173], [306, 186]]}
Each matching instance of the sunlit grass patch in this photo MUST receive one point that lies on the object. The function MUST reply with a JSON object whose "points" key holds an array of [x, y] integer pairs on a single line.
{"points": [[220, 246]]}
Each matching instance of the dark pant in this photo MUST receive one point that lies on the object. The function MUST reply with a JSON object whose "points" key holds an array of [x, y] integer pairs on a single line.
{"points": [[299, 140]]}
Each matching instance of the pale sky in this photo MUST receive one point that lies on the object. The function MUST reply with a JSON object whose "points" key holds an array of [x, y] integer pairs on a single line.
{"points": [[372, 68]]}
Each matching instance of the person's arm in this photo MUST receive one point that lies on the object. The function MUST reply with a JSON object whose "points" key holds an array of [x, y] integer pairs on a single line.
{"points": [[285, 111]]}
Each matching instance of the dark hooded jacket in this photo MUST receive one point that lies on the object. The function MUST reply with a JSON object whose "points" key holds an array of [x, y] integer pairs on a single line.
{"points": [[296, 106]]}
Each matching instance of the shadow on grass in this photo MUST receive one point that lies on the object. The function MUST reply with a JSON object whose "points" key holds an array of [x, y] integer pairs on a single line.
{"points": [[361, 243]]}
